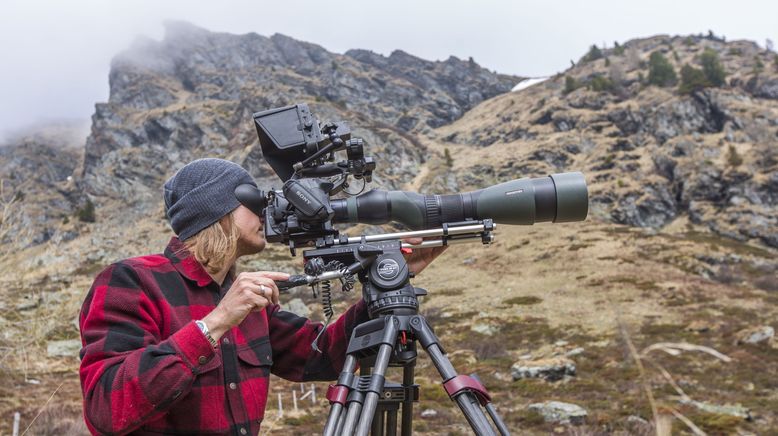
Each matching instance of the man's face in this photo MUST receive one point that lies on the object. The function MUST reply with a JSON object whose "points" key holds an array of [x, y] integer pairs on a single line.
{"points": [[250, 226]]}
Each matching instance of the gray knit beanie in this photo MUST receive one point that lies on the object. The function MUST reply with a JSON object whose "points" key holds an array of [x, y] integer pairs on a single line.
{"points": [[202, 192]]}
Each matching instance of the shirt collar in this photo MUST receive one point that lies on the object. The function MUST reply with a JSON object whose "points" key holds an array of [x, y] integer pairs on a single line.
{"points": [[185, 263]]}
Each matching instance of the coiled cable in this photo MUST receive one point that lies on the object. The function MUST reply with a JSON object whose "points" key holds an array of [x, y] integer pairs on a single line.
{"points": [[316, 266]]}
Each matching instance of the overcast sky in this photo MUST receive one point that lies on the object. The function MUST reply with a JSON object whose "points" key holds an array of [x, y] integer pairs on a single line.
{"points": [[55, 55]]}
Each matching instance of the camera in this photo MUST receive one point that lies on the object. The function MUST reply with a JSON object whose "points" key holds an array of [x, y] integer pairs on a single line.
{"points": [[302, 151]]}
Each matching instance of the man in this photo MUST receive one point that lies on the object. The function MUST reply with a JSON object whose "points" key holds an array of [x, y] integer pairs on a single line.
{"points": [[175, 343]]}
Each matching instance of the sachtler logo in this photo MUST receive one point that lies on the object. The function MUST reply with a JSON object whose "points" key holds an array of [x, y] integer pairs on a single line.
{"points": [[388, 269]]}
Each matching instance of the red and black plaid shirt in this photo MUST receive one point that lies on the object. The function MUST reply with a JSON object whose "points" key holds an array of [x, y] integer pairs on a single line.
{"points": [[146, 368]]}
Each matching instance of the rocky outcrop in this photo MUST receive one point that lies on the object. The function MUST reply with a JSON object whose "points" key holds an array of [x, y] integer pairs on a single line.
{"points": [[465, 83], [700, 113], [37, 191], [192, 95]]}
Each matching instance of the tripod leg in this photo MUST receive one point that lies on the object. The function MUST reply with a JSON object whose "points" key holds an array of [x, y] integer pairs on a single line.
{"points": [[391, 423], [466, 400], [377, 427], [337, 405], [376, 384], [352, 416], [407, 406], [497, 420]]}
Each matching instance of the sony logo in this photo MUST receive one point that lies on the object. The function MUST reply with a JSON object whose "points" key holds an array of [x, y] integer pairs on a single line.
{"points": [[301, 195]]}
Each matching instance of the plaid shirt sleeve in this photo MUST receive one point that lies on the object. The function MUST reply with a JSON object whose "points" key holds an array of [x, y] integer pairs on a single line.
{"points": [[292, 335], [130, 376]]}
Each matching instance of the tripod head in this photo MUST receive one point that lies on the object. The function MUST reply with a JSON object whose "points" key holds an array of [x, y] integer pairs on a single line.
{"points": [[379, 264]]}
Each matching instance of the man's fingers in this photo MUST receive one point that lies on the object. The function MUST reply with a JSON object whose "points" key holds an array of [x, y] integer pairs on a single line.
{"points": [[413, 241], [274, 296], [259, 302], [273, 275], [269, 283], [268, 287]]}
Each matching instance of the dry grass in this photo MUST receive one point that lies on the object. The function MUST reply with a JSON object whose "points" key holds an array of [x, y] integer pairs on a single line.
{"points": [[556, 295]]}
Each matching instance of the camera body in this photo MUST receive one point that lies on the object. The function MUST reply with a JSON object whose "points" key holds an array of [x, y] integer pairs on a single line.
{"points": [[302, 152]]}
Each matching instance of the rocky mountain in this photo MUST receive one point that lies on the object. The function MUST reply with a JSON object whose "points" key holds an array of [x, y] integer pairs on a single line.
{"points": [[652, 154], [192, 95]]}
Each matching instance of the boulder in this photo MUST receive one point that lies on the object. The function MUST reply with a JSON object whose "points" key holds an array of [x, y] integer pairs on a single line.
{"points": [[736, 410], [429, 413], [560, 413], [485, 329], [298, 307], [64, 348], [548, 369], [756, 335]]}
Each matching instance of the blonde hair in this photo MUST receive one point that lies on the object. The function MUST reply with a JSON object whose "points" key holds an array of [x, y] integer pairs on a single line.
{"points": [[214, 245]]}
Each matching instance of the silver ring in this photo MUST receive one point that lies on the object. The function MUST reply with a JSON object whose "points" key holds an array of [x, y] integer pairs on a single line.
{"points": [[262, 289]]}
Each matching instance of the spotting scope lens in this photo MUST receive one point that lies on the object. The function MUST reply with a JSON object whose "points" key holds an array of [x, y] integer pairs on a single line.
{"points": [[557, 198]]}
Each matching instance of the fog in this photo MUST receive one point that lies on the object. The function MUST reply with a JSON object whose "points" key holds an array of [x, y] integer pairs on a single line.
{"points": [[56, 55]]}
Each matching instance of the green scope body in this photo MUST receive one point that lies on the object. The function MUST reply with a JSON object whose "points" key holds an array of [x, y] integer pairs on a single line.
{"points": [[556, 198]]}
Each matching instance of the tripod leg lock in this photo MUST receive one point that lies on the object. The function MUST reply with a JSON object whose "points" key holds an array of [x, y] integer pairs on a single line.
{"points": [[376, 385], [467, 383], [337, 394]]}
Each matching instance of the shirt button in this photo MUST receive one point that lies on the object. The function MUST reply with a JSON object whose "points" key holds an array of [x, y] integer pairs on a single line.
{"points": [[243, 430], [202, 360], [233, 386], [226, 341]]}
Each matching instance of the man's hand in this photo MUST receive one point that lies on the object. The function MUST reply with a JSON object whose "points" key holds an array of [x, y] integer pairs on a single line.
{"points": [[421, 257], [251, 291]]}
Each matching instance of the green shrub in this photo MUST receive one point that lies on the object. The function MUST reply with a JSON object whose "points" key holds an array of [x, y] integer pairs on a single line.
{"points": [[570, 84], [599, 83], [758, 65], [448, 158], [733, 158], [660, 71], [711, 67], [692, 79], [593, 54], [87, 213], [618, 50]]}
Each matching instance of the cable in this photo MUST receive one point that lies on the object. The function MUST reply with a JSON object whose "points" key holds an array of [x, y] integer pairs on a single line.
{"points": [[346, 185], [347, 281]]}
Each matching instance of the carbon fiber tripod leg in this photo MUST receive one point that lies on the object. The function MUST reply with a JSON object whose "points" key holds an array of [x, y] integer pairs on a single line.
{"points": [[377, 384], [466, 391], [337, 403]]}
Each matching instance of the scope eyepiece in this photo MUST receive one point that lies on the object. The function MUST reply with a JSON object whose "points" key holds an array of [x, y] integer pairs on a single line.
{"points": [[251, 197]]}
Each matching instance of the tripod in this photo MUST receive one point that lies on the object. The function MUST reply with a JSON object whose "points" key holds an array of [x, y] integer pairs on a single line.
{"points": [[367, 402]]}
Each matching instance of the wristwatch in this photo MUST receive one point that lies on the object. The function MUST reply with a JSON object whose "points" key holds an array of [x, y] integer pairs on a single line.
{"points": [[207, 333]]}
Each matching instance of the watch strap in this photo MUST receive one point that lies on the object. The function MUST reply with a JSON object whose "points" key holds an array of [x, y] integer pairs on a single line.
{"points": [[206, 332]]}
